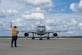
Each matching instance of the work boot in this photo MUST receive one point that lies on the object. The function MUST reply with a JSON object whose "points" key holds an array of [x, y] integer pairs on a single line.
{"points": [[11, 45], [15, 46]]}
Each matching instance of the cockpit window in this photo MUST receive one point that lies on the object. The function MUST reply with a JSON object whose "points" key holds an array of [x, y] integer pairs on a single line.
{"points": [[41, 28]]}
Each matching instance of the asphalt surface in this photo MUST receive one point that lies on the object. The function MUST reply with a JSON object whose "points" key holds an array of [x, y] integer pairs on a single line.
{"points": [[56, 46]]}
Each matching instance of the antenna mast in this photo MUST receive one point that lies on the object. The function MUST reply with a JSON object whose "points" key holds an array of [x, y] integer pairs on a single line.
{"points": [[10, 24]]}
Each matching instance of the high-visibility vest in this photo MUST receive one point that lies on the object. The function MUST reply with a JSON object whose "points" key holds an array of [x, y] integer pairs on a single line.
{"points": [[14, 32]]}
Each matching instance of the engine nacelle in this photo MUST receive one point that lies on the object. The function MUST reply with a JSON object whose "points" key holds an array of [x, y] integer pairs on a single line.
{"points": [[55, 34], [26, 34]]}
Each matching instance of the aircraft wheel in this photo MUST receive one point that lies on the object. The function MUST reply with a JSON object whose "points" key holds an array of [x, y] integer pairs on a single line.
{"points": [[48, 38], [33, 38], [40, 38]]}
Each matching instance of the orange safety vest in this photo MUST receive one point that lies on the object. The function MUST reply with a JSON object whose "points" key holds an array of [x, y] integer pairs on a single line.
{"points": [[14, 32]]}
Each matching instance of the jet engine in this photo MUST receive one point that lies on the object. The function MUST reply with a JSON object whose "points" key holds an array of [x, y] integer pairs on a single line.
{"points": [[26, 34], [55, 34]]}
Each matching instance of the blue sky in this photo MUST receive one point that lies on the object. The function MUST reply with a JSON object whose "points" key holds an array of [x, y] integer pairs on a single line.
{"points": [[55, 15]]}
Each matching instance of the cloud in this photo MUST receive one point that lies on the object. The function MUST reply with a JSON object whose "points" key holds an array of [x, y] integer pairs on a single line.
{"points": [[80, 25], [2, 14], [17, 22], [59, 10], [9, 12], [63, 21], [39, 2], [12, 11], [48, 28], [36, 9], [0, 25], [80, 4], [33, 16], [71, 22], [19, 5], [76, 7], [43, 4], [49, 21], [35, 13], [11, 4]]}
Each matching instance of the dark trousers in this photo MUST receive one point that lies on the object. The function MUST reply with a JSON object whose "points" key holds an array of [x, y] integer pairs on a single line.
{"points": [[14, 40]]}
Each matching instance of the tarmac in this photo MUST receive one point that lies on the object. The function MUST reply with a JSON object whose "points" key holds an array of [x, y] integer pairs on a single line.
{"points": [[54, 46]]}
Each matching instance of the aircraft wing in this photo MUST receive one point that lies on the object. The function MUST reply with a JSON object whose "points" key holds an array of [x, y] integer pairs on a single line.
{"points": [[28, 31], [60, 31], [23, 31]]}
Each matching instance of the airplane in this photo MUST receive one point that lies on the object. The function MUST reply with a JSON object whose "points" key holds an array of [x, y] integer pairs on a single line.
{"points": [[41, 30]]}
